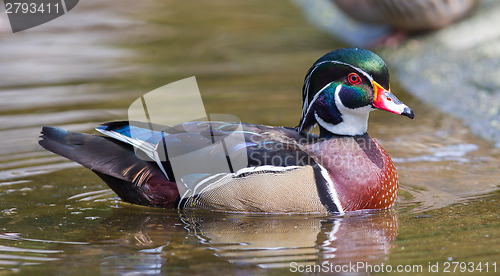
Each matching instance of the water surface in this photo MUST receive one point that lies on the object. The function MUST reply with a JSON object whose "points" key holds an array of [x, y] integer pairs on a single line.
{"points": [[250, 60]]}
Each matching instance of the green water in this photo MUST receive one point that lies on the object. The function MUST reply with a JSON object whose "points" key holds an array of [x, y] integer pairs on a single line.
{"points": [[250, 58]]}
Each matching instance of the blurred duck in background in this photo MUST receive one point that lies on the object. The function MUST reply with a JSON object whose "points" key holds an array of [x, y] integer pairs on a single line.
{"points": [[408, 15]]}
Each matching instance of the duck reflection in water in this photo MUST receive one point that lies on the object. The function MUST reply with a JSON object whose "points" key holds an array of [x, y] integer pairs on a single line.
{"points": [[278, 241], [252, 240]]}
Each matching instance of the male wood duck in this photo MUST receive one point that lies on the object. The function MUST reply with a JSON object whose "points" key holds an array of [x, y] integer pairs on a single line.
{"points": [[287, 170]]}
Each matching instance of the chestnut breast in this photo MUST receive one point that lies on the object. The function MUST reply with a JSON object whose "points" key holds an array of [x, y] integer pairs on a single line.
{"points": [[362, 172]]}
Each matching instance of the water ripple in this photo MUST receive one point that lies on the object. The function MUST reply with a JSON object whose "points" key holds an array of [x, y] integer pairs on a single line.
{"points": [[12, 257], [455, 153]]}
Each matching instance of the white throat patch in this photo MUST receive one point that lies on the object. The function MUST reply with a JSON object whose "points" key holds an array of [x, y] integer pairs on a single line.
{"points": [[354, 121]]}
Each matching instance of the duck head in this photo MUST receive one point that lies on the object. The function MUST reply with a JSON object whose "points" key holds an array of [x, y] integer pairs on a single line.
{"points": [[340, 90]]}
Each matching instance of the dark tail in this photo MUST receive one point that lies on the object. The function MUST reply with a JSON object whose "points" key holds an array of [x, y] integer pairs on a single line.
{"points": [[135, 180]]}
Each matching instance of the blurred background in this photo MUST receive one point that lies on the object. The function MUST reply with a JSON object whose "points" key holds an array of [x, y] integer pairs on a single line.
{"points": [[250, 59]]}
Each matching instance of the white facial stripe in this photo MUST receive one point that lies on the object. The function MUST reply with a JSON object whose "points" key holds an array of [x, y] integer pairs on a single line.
{"points": [[354, 121], [306, 105], [368, 76], [313, 100]]}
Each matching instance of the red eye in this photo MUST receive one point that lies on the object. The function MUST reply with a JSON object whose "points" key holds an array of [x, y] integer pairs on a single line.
{"points": [[354, 78]]}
